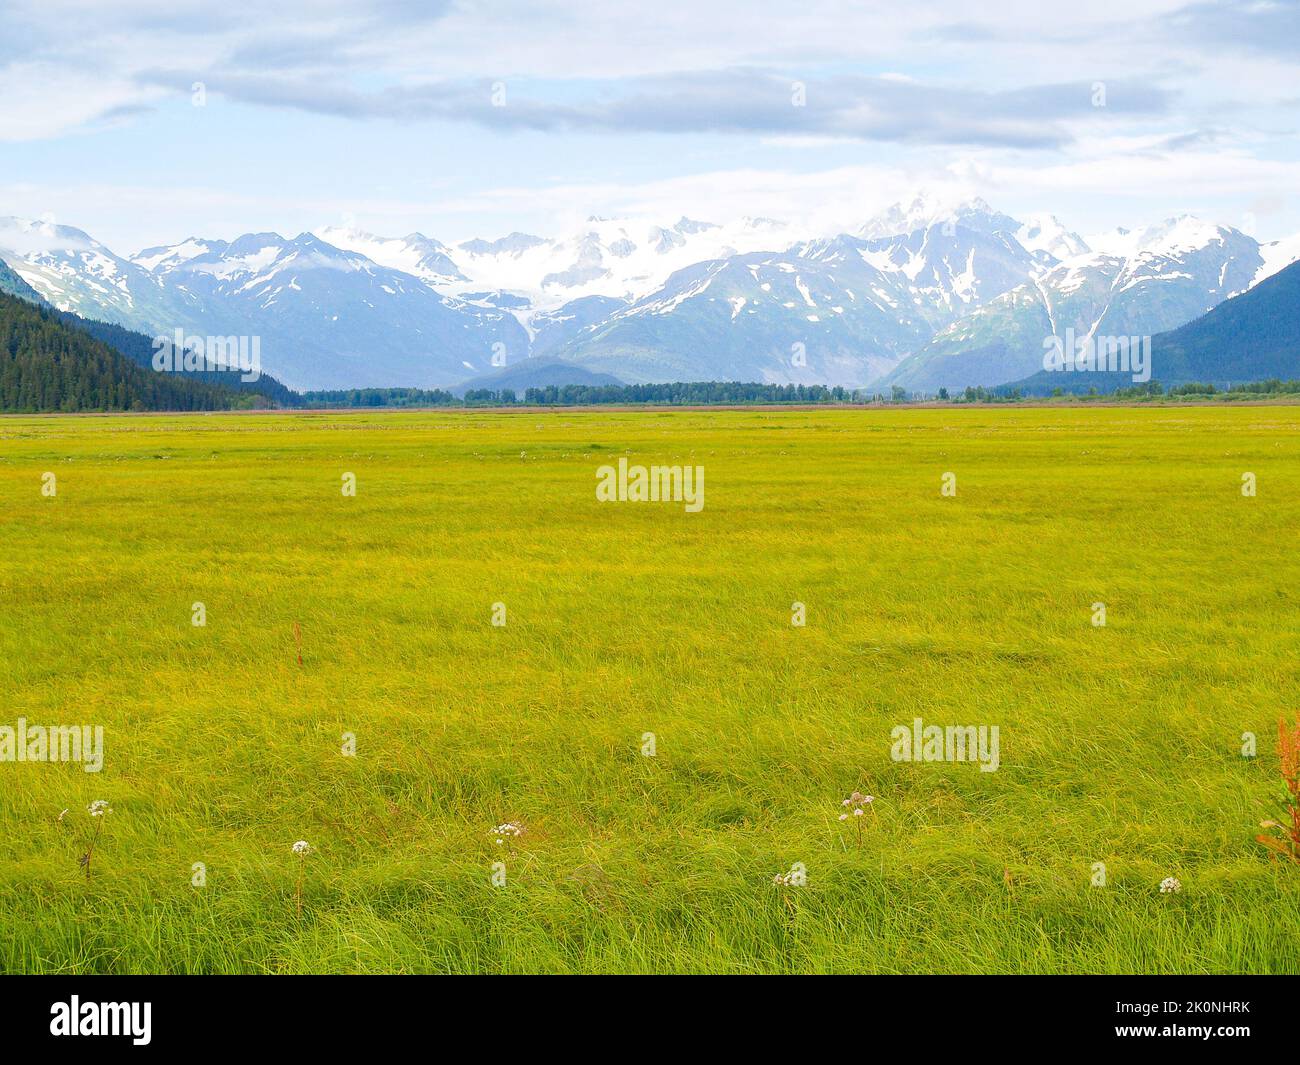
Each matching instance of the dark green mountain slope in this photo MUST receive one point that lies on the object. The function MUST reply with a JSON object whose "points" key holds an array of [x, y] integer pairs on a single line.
{"points": [[140, 349], [46, 365]]}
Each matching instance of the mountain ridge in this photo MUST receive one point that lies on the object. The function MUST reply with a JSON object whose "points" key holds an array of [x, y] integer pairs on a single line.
{"points": [[925, 295], [1253, 336]]}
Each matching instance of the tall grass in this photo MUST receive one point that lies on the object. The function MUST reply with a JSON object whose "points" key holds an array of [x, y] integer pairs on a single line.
{"points": [[1119, 744]]}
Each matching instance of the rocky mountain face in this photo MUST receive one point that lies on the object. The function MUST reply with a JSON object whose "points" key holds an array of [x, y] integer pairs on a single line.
{"points": [[1132, 284]]}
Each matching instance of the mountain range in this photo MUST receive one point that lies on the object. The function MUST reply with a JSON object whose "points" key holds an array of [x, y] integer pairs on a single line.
{"points": [[924, 296]]}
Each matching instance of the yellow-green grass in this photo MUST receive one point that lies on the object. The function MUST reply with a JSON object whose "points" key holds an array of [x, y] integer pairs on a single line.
{"points": [[1119, 744]]}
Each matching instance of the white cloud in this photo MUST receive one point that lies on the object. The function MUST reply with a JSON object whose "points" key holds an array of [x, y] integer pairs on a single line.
{"points": [[40, 97]]}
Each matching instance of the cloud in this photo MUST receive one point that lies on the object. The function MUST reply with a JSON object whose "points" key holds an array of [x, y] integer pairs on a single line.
{"points": [[1193, 139], [1265, 27], [761, 103], [970, 77], [41, 96]]}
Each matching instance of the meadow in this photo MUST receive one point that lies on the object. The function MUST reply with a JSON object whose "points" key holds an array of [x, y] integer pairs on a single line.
{"points": [[1119, 744]]}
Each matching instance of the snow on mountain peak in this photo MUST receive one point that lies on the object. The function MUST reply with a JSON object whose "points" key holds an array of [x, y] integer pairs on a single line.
{"points": [[1174, 236], [619, 258], [1179, 235], [1046, 233], [413, 254], [170, 256], [930, 209], [27, 237], [515, 244], [1277, 255]]}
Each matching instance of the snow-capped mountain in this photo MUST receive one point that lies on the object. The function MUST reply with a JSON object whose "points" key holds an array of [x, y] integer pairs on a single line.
{"points": [[414, 254], [558, 287], [757, 317], [622, 259], [331, 318], [929, 294], [842, 310], [167, 258], [831, 311], [76, 273], [326, 317], [931, 210], [552, 330], [619, 258], [1131, 284], [1045, 235]]}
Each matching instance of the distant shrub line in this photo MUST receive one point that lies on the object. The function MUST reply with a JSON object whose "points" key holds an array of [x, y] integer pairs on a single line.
{"points": [[728, 393]]}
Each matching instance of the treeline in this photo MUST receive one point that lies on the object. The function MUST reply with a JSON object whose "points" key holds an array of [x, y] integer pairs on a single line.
{"points": [[379, 397], [1001, 394], [46, 365], [689, 394], [729, 393], [699, 393], [1273, 386]]}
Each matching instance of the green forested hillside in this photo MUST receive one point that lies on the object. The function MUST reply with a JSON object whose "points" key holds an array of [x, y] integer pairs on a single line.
{"points": [[1248, 338], [46, 365], [139, 348]]}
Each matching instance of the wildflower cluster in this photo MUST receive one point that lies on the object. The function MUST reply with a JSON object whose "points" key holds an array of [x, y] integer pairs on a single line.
{"points": [[509, 830], [96, 809], [796, 877], [858, 803], [855, 806]]}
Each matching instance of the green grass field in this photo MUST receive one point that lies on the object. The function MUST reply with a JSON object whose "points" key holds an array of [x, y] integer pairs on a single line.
{"points": [[1119, 744]]}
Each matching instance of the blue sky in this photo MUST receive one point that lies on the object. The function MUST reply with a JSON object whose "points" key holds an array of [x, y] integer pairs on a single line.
{"points": [[463, 119]]}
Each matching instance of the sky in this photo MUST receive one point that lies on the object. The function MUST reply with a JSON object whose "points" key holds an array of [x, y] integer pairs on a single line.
{"points": [[145, 123]]}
